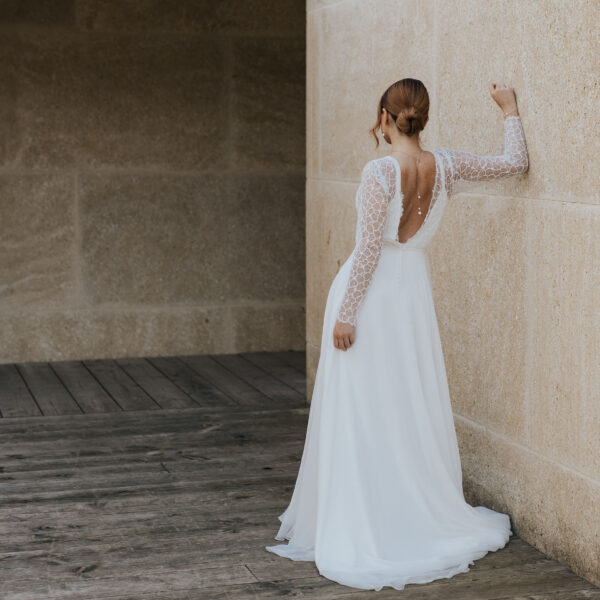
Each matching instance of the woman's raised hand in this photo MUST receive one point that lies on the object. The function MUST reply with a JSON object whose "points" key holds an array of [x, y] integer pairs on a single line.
{"points": [[504, 96]]}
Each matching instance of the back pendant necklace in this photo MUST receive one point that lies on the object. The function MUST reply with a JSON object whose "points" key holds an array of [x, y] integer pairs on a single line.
{"points": [[419, 212]]}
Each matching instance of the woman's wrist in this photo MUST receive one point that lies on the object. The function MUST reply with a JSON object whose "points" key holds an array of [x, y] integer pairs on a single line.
{"points": [[511, 112]]}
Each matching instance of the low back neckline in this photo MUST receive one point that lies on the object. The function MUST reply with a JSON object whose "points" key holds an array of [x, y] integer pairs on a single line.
{"points": [[399, 194]]}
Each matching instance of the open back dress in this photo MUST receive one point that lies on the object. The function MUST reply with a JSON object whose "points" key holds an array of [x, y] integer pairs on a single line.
{"points": [[378, 499]]}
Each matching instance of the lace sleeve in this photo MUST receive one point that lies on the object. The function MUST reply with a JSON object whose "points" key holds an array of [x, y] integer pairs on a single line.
{"points": [[372, 212], [473, 167]]}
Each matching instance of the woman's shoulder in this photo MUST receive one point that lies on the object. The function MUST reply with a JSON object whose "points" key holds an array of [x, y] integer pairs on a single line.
{"points": [[380, 165]]}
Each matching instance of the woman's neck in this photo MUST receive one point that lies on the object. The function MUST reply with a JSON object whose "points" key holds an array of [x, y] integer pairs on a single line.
{"points": [[408, 145]]}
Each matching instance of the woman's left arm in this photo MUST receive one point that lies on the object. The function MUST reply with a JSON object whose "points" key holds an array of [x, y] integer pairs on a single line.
{"points": [[373, 203]]}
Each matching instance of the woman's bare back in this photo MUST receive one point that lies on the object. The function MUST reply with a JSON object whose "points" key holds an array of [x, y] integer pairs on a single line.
{"points": [[415, 180]]}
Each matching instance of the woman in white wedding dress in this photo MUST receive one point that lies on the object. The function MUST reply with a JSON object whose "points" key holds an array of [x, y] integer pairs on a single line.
{"points": [[378, 499]]}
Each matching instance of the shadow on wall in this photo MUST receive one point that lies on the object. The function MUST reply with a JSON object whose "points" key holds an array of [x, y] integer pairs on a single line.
{"points": [[152, 194]]}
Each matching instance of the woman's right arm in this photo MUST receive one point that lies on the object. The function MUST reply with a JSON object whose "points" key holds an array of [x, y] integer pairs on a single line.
{"points": [[513, 161]]}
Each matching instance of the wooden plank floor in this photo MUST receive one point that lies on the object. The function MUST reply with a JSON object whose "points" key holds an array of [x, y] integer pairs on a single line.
{"points": [[148, 479]]}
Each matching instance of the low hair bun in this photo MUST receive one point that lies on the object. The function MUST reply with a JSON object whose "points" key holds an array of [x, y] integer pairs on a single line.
{"points": [[411, 113], [409, 121], [407, 103]]}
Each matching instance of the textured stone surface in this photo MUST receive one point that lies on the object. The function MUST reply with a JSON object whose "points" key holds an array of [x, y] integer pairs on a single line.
{"points": [[37, 12], [312, 362], [564, 335], [330, 216], [118, 101], [37, 254], [268, 102], [151, 173], [549, 54], [238, 17], [81, 334], [352, 81], [551, 507], [269, 327], [316, 4], [313, 129], [155, 239], [514, 265], [478, 280]]}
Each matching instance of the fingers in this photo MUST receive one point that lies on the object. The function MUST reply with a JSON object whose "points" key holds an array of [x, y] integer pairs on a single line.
{"points": [[337, 342], [494, 87], [343, 342]]}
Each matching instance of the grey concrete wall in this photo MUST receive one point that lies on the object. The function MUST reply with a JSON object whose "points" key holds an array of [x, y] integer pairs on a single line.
{"points": [[152, 177], [515, 264]]}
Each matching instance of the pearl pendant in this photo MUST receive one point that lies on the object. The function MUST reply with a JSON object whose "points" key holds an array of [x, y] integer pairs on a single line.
{"points": [[418, 207]]}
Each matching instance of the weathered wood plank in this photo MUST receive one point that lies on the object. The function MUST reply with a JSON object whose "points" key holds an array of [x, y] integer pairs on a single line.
{"points": [[277, 367], [179, 502], [265, 567], [164, 392], [160, 497], [51, 395], [241, 429], [88, 393], [466, 586], [65, 422], [15, 398], [75, 459], [189, 579], [260, 379], [198, 388], [229, 383], [293, 358], [125, 391]]}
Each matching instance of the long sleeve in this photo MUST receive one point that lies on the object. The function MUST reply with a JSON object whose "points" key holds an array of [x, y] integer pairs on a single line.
{"points": [[372, 202], [473, 167]]}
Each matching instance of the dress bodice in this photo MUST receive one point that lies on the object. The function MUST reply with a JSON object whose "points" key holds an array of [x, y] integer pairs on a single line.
{"points": [[379, 204], [435, 211]]}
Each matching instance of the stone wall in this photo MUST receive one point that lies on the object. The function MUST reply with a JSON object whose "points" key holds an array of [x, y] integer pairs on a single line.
{"points": [[152, 177], [515, 263]]}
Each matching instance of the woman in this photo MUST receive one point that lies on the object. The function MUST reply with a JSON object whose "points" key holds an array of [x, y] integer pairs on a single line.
{"points": [[378, 499]]}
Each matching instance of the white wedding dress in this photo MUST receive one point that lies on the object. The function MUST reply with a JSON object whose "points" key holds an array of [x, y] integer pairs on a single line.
{"points": [[378, 499]]}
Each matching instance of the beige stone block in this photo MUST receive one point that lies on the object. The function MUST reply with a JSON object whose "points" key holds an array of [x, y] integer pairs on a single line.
{"points": [[268, 103], [363, 48], [37, 230], [256, 17], [37, 12], [154, 239], [317, 4], [118, 101], [548, 51], [313, 353], [469, 119], [562, 96], [478, 277], [551, 507], [9, 92], [313, 90], [330, 226], [564, 308], [268, 327], [82, 334]]}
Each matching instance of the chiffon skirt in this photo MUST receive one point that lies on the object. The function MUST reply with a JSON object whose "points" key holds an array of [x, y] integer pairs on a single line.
{"points": [[378, 499]]}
